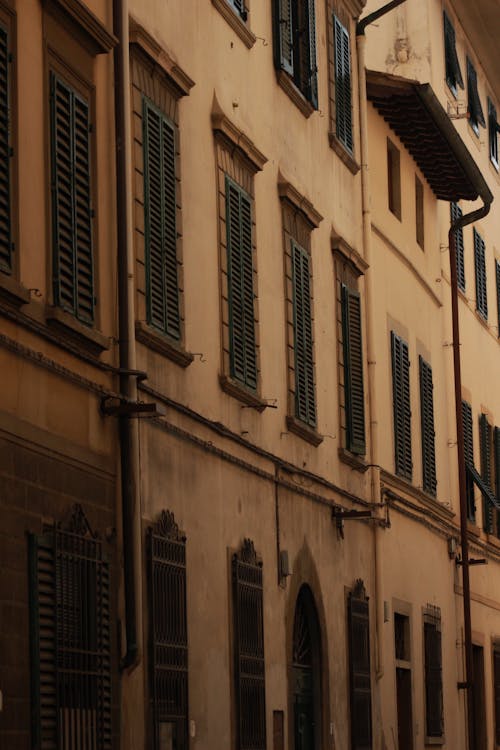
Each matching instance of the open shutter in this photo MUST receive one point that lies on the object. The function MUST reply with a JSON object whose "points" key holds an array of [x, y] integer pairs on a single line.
{"points": [[313, 68], [5, 155], [453, 72], [248, 613], [427, 424], [469, 458], [401, 405], [305, 400], [496, 678], [480, 268], [456, 213], [474, 102], [485, 439], [283, 35], [493, 129], [433, 680], [343, 105], [353, 370], [359, 668]]}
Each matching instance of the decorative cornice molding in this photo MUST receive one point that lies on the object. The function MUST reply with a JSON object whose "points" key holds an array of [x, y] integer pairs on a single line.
{"points": [[76, 15], [348, 253], [290, 194], [223, 125]]}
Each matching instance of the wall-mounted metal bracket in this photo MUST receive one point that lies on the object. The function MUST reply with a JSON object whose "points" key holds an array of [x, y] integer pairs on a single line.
{"points": [[113, 407], [339, 515], [472, 561]]}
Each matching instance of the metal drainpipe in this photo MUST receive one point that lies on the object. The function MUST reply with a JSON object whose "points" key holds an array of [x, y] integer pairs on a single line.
{"points": [[128, 428], [462, 484], [369, 324]]}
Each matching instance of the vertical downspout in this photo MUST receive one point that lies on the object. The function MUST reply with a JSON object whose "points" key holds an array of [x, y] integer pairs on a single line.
{"points": [[462, 484]]}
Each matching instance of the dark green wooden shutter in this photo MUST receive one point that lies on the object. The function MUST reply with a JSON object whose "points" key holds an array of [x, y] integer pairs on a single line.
{"points": [[480, 268], [305, 400], [343, 104], [71, 201], [485, 441], [496, 450], [283, 35], [313, 68], [496, 680], [469, 458], [493, 129], [456, 213], [475, 109], [160, 207], [353, 370], [427, 424], [359, 668], [433, 680], [5, 155], [452, 66], [240, 285], [401, 404], [497, 277]]}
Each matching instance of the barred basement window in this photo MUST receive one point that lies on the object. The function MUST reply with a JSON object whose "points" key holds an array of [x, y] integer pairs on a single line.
{"points": [[295, 45], [474, 108], [469, 459], [427, 423], [353, 370], [433, 672], [358, 618], [343, 84], [493, 130], [401, 405], [6, 245], [485, 444], [73, 274], [496, 687], [168, 633], [248, 613], [456, 213], [480, 267], [452, 66], [70, 637], [306, 707]]}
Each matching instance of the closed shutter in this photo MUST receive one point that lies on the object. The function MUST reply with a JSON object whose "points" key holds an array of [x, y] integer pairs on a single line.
{"points": [[452, 66], [160, 207], [475, 109], [427, 424], [485, 439], [305, 400], [480, 268], [401, 405], [240, 285], [496, 449], [493, 128], [497, 278], [469, 458], [168, 631], [496, 678], [312, 94], [359, 668], [343, 105], [248, 613], [71, 201], [283, 35], [353, 370], [456, 213], [433, 680], [5, 155]]}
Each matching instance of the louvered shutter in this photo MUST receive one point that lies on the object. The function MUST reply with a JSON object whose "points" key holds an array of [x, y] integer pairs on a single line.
{"points": [[497, 276], [469, 458], [160, 206], [5, 155], [305, 400], [452, 66], [343, 105], [456, 213], [313, 68], [496, 678], [359, 669], [353, 370], [71, 201], [433, 681], [480, 268], [485, 439], [239, 6], [475, 108], [401, 404], [168, 630], [248, 613], [493, 129], [283, 35], [427, 425], [240, 285]]}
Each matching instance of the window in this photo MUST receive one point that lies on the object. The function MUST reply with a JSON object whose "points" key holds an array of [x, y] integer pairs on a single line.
{"points": [[343, 84], [295, 48], [480, 267], [352, 350], [456, 213], [496, 451], [305, 673], [6, 238], [168, 632], [305, 399], [497, 277], [427, 423], [401, 406], [474, 108], [469, 459], [419, 212], [485, 445], [70, 616], [433, 672], [496, 687], [402, 647], [72, 213], [394, 179], [452, 66], [248, 615], [493, 130], [358, 618]]}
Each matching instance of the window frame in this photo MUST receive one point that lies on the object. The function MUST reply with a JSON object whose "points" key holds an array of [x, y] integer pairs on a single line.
{"points": [[237, 15]]}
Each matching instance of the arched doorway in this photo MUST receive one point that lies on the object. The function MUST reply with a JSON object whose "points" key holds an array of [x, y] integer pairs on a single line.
{"points": [[306, 673]]}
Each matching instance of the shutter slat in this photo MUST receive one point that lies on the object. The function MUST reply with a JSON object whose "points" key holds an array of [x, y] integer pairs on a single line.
{"points": [[305, 399], [343, 104], [480, 268], [469, 458], [433, 680], [427, 426], [456, 213], [401, 406], [452, 66], [473, 101], [312, 82], [485, 442], [283, 44], [353, 370]]}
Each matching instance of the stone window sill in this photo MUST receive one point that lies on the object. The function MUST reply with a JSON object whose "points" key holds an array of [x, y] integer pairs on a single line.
{"points": [[78, 333], [236, 23], [238, 391], [434, 741], [353, 460], [309, 434], [12, 291], [160, 343], [343, 154], [294, 93]]}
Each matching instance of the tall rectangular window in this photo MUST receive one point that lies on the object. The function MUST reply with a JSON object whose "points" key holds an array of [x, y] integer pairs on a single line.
{"points": [[6, 247], [343, 84], [485, 445], [305, 399], [493, 130], [401, 406], [480, 268], [469, 458], [394, 179], [73, 273], [353, 370], [427, 423], [419, 212], [295, 45], [474, 107], [456, 213], [358, 618], [433, 673], [452, 66]]}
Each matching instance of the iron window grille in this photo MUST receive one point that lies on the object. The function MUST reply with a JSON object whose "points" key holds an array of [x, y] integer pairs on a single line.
{"points": [[359, 667], [456, 213], [306, 672], [70, 637], [305, 397], [474, 107], [401, 406], [295, 44], [343, 84], [427, 424], [493, 130], [168, 633], [480, 268], [469, 459], [6, 245], [433, 672], [248, 615], [353, 370], [452, 66]]}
